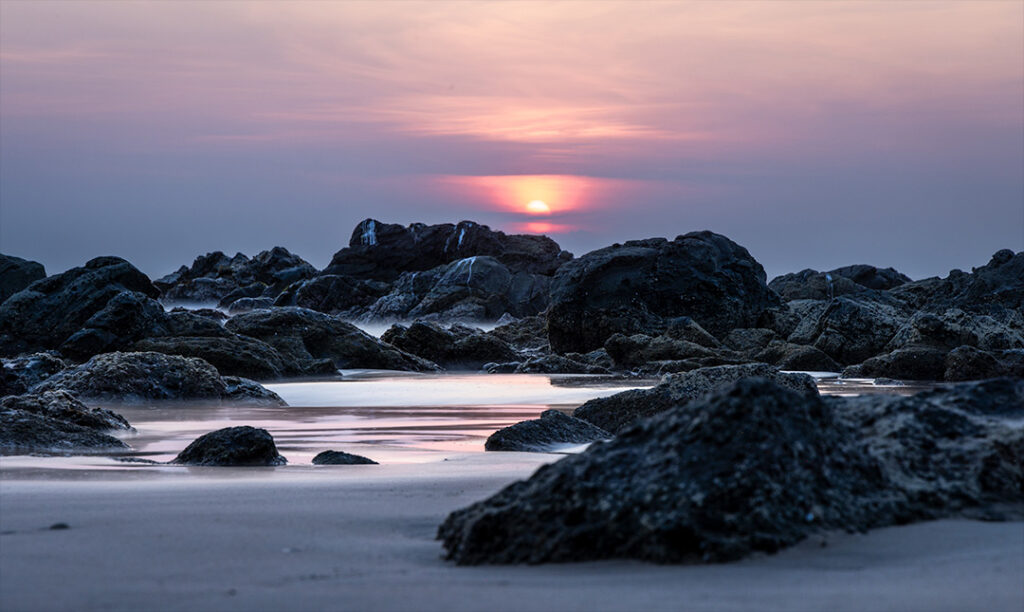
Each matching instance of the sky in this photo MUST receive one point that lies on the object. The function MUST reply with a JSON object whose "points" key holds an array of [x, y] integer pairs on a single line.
{"points": [[816, 134]]}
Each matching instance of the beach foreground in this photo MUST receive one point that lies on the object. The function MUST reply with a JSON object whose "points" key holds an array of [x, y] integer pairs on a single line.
{"points": [[359, 538]]}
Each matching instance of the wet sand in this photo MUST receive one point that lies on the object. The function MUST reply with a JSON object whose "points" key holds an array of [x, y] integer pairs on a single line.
{"points": [[362, 538]]}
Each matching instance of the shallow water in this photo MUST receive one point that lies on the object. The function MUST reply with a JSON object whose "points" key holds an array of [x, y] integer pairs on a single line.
{"points": [[391, 417]]}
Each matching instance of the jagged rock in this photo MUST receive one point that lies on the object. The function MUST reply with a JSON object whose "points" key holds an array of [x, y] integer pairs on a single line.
{"points": [[50, 310], [756, 467], [639, 286], [330, 457], [249, 304], [853, 328], [955, 327], [245, 391], [991, 289], [552, 430], [457, 347], [918, 363], [232, 356], [970, 363], [126, 317], [620, 410], [638, 349], [788, 356], [25, 371], [527, 333], [334, 294], [303, 336], [814, 285], [214, 276], [552, 364], [232, 446], [383, 251], [56, 422], [16, 274]]}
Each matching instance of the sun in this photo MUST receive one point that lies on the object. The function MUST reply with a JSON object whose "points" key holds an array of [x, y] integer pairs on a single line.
{"points": [[538, 207]]}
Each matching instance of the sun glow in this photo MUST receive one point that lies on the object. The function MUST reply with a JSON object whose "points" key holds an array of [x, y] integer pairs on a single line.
{"points": [[538, 207]]}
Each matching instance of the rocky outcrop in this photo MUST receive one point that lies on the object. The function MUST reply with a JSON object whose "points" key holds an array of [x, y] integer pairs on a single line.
{"points": [[639, 286], [383, 251], [139, 377], [49, 311], [232, 446], [551, 432], [796, 357], [756, 467], [17, 274], [851, 329], [525, 334], [991, 289], [622, 409], [214, 276], [457, 347], [56, 422], [814, 285], [19, 374], [334, 294], [331, 457], [233, 355], [570, 363], [305, 336]]}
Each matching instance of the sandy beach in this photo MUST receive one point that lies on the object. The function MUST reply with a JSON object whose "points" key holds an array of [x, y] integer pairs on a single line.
{"points": [[362, 538]]}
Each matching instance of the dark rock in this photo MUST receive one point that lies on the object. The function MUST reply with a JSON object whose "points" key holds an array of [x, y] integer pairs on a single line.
{"points": [[333, 294], [755, 467], [252, 290], [126, 317], [527, 333], [245, 391], [853, 328], [688, 330], [796, 357], [210, 313], [330, 457], [552, 430], [969, 363], [641, 285], [991, 289], [63, 406], [26, 371], [16, 274], [214, 276], [50, 310], [382, 251], [303, 336], [248, 304], [56, 422], [955, 327], [814, 285], [457, 347], [556, 364], [638, 349], [920, 363], [749, 339], [620, 410], [232, 446], [138, 377], [233, 355]]}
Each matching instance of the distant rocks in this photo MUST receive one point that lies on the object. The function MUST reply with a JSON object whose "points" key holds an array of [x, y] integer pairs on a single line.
{"points": [[232, 446], [215, 277], [16, 274], [754, 467], [637, 287], [56, 422], [554, 429], [330, 457], [814, 285]]}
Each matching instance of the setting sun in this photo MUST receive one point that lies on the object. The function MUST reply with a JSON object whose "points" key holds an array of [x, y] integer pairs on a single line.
{"points": [[538, 207]]}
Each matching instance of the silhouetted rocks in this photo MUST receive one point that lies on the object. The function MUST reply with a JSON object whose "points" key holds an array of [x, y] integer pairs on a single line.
{"points": [[554, 429], [334, 294], [16, 274], [755, 467], [56, 422], [637, 287], [214, 276], [232, 446], [991, 289], [50, 310], [457, 347], [622, 409], [330, 457], [814, 285], [137, 377], [383, 251], [304, 336]]}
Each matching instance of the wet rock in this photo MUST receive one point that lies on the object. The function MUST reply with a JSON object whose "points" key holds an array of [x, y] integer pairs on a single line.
{"points": [[334, 294], [330, 457], [620, 410], [134, 377], [232, 446], [17, 274], [233, 355], [918, 363], [552, 430], [244, 391], [457, 347], [638, 287], [527, 333], [304, 336], [50, 310], [25, 371], [755, 467], [125, 318], [383, 251], [555, 364], [248, 304], [56, 422], [796, 357]]}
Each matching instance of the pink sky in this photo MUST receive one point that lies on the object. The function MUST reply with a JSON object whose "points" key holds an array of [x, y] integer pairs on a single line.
{"points": [[815, 133]]}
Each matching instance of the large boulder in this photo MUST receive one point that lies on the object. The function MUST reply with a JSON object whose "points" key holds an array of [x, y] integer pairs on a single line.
{"points": [[214, 276], [305, 336], [139, 377], [382, 251], [234, 355], [553, 431], [49, 311], [756, 467], [616, 412], [637, 287], [232, 446], [56, 421], [455, 347], [16, 274], [851, 329]]}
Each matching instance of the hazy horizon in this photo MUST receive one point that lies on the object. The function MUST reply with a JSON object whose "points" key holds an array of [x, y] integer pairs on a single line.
{"points": [[816, 135]]}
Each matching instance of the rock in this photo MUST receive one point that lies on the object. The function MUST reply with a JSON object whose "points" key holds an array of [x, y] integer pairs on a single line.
{"points": [[28, 370], [749, 339], [552, 430], [688, 330], [16, 274], [919, 363], [50, 310], [303, 336], [232, 446], [814, 285], [56, 422], [969, 363], [992, 289], [244, 391], [382, 251], [214, 276], [248, 304], [638, 349], [334, 294], [640, 286], [796, 357], [854, 328], [955, 327], [330, 457], [457, 347], [527, 333], [233, 355], [556, 364], [756, 467], [620, 410], [126, 317]]}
